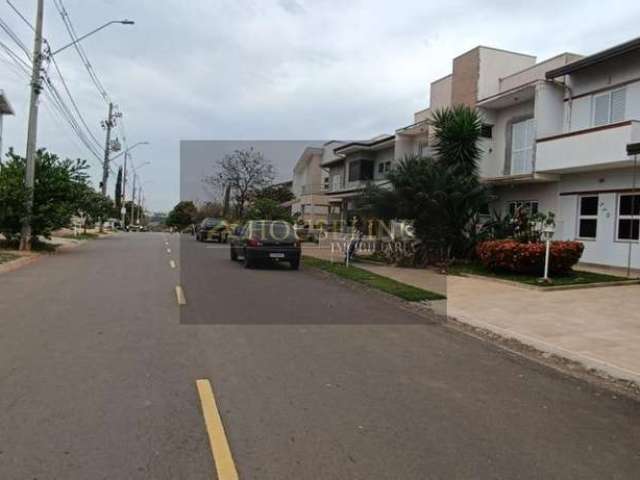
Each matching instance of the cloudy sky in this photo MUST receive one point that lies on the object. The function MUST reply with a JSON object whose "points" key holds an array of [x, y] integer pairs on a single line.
{"points": [[276, 69]]}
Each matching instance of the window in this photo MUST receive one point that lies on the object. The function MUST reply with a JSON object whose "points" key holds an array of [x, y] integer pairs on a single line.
{"points": [[381, 167], [387, 166], [628, 217], [588, 217], [361, 170], [336, 182], [486, 131], [354, 171], [609, 107], [522, 138], [366, 169], [530, 206]]}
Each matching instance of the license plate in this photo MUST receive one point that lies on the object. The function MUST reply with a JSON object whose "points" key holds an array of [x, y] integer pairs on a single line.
{"points": [[276, 255]]}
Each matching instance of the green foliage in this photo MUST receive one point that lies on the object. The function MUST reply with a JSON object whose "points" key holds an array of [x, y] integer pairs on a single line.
{"points": [[182, 215], [59, 191], [93, 205], [277, 193], [457, 131], [267, 209], [441, 195]]}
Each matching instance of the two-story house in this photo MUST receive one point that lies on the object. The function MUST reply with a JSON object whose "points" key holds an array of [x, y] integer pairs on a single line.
{"points": [[351, 167], [554, 139], [310, 184]]}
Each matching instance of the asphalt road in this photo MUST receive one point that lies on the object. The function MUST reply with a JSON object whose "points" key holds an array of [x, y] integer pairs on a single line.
{"points": [[313, 380]]}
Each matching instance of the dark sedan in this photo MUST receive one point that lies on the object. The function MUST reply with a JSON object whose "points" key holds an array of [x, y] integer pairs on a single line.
{"points": [[212, 229], [265, 240]]}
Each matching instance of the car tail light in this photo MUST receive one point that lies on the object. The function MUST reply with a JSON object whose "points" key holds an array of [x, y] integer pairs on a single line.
{"points": [[252, 242]]}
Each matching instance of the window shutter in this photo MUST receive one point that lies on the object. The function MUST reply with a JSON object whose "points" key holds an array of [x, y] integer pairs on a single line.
{"points": [[618, 101], [601, 110]]}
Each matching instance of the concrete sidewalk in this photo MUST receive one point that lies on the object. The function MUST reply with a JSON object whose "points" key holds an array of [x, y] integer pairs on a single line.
{"points": [[598, 327]]}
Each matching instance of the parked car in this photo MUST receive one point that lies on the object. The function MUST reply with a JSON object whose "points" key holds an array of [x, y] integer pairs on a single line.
{"points": [[265, 240], [212, 229]]}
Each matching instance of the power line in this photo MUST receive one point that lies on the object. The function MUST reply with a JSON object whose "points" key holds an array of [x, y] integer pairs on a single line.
{"points": [[13, 36], [73, 102], [80, 50]]}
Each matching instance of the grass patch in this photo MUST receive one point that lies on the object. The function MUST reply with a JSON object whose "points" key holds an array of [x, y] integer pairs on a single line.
{"points": [[388, 285], [36, 245], [7, 257], [576, 277]]}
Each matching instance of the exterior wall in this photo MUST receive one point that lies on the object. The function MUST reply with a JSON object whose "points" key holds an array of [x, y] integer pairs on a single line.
{"points": [[535, 72], [440, 93], [422, 115], [464, 81], [546, 194], [605, 249], [494, 64], [549, 109], [562, 198]]}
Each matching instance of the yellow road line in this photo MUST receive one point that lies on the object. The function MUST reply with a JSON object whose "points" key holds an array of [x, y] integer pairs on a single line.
{"points": [[172, 264], [225, 467], [180, 295]]}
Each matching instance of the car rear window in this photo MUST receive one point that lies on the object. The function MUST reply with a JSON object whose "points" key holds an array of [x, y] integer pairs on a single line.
{"points": [[273, 231], [211, 223]]}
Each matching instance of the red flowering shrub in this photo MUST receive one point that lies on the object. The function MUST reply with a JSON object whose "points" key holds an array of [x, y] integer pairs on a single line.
{"points": [[521, 257]]}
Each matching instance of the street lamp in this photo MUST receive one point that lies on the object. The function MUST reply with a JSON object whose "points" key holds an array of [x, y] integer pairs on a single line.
{"points": [[95, 30], [129, 149], [547, 234]]}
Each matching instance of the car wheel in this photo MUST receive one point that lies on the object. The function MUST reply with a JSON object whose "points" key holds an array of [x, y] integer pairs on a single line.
{"points": [[234, 255], [247, 261], [295, 264]]}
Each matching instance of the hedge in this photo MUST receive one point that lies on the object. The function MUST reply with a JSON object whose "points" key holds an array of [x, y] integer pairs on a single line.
{"points": [[522, 257]]}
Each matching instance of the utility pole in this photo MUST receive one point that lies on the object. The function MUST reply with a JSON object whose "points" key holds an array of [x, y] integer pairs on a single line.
{"points": [[32, 132], [133, 199], [123, 210], [139, 205], [107, 148]]}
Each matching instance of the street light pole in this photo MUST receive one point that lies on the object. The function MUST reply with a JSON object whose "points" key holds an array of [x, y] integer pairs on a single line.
{"points": [[32, 132]]}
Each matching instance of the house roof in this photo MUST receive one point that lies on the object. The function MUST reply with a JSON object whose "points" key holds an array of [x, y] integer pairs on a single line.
{"points": [[373, 144], [596, 58], [5, 106]]}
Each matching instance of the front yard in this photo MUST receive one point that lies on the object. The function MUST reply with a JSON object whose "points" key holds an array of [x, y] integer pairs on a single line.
{"points": [[576, 277]]}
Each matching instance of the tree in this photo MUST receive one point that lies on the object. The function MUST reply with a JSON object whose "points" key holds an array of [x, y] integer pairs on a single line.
{"points": [[93, 205], [118, 194], [277, 193], [244, 172], [267, 209], [208, 209], [442, 195], [58, 191], [182, 215]]}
